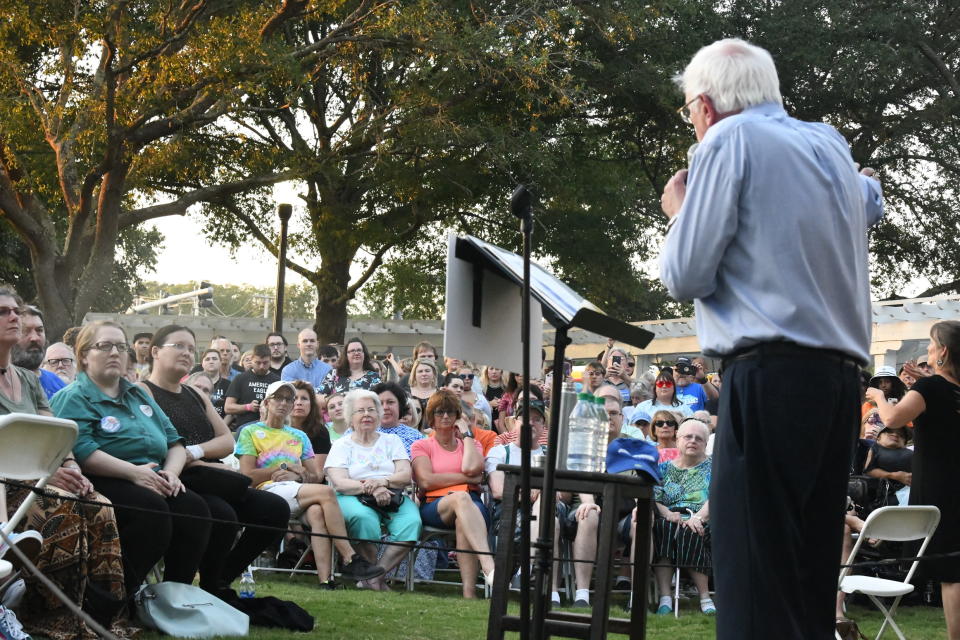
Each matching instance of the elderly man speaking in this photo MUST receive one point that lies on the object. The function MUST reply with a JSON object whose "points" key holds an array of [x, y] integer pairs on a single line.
{"points": [[767, 232]]}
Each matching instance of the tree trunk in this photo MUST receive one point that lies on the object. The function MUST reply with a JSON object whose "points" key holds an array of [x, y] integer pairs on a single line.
{"points": [[331, 313]]}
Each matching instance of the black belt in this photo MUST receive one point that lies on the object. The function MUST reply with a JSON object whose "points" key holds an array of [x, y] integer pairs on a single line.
{"points": [[789, 349]]}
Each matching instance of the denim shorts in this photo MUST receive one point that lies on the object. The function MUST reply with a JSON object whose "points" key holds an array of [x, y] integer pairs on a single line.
{"points": [[431, 517]]}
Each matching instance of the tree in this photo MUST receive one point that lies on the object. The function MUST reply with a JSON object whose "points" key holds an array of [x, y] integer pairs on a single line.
{"points": [[426, 119], [886, 75], [97, 100]]}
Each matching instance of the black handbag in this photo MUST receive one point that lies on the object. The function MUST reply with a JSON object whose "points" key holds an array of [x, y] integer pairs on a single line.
{"points": [[224, 483], [396, 499]]}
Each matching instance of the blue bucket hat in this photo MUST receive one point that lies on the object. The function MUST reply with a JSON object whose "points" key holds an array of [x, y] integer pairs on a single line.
{"points": [[624, 454]]}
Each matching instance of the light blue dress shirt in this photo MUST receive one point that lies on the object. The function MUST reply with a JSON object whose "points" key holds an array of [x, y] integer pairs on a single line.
{"points": [[771, 240], [312, 373]]}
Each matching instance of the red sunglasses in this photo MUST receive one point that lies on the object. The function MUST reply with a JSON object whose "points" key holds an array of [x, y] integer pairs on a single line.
{"points": [[664, 384]]}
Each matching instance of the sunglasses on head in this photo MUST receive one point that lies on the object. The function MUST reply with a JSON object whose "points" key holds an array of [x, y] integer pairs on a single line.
{"points": [[664, 384], [665, 423]]}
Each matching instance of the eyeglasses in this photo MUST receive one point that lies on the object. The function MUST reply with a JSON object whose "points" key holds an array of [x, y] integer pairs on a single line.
{"points": [[275, 344], [354, 350], [56, 362], [446, 412], [664, 384], [181, 347], [467, 376], [684, 111], [282, 399], [366, 410], [106, 346], [692, 437], [665, 423], [6, 311]]}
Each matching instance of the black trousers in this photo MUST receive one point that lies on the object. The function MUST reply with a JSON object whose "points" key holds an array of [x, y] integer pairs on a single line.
{"points": [[780, 466], [226, 556], [145, 538]]}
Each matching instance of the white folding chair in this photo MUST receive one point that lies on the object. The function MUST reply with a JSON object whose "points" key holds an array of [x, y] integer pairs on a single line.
{"points": [[897, 524], [31, 447]]}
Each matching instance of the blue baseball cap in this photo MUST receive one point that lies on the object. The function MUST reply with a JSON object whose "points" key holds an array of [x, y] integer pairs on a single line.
{"points": [[638, 415], [624, 454]]}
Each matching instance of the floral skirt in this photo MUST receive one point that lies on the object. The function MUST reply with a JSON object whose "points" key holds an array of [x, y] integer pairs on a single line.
{"points": [[80, 554]]}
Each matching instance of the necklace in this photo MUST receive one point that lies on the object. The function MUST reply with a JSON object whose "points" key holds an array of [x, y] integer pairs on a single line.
{"points": [[451, 446]]}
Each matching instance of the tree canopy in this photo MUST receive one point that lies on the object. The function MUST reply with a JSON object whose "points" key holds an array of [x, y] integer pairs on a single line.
{"points": [[402, 119]]}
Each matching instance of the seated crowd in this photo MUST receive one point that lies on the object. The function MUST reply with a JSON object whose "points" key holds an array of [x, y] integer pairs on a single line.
{"points": [[359, 448]]}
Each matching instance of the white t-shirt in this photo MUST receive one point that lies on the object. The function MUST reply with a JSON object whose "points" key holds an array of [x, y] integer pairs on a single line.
{"points": [[361, 462], [500, 455]]}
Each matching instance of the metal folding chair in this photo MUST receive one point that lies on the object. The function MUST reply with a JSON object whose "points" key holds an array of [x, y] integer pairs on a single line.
{"points": [[31, 448], [896, 524]]}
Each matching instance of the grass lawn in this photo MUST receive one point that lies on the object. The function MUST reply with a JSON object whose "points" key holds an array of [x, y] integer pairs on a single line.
{"points": [[437, 612]]}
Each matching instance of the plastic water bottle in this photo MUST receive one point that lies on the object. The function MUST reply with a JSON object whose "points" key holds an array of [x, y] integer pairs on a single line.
{"points": [[568, 399], [248, 588], [582, 434], [602, 433]]}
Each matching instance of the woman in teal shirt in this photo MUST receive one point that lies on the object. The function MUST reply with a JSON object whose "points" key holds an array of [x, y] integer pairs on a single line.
{"points": [[133, 455]]}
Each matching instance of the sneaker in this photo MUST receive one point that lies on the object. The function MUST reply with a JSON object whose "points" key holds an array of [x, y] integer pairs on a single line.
{"points": [[10, 627], [664, 610], [28, 542], [622, 583], [581, 604], [330, 585], [707, 607], [359, 569]]}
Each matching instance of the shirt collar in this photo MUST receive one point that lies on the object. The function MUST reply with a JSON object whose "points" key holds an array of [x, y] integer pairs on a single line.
{"points": [[93, 393]]}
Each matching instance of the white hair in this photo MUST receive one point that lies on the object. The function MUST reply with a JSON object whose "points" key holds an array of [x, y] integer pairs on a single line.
{"points": [[734, 73], [695, 424], [357, 394]]}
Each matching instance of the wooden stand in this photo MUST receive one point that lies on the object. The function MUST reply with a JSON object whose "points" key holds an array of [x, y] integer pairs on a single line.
{"points": [[596, 624]]}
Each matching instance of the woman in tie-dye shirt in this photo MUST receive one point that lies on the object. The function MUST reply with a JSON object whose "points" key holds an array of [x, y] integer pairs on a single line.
{"points": [[279, 459]]}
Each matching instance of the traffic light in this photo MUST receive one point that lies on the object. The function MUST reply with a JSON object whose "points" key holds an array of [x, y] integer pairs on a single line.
{"points": [[206, 299]]}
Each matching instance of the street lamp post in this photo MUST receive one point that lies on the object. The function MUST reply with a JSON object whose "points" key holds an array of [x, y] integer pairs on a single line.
{"points": [[284, 211]]}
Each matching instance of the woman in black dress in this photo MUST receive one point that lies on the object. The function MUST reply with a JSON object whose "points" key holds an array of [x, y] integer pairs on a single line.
{"points": [[207, 440], [933, 404]]}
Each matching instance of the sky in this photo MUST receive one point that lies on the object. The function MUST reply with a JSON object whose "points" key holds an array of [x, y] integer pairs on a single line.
{"points": [[187, 256]]}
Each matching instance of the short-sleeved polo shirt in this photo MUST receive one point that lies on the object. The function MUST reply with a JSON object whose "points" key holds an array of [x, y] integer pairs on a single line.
{"points": [[131, 427]]}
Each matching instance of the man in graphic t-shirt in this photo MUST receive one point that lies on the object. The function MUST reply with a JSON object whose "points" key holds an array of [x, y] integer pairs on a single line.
{"points": [[246, 391]]}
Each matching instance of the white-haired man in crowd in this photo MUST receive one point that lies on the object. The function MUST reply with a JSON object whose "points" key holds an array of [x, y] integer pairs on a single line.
{"points": [[61, 361]]}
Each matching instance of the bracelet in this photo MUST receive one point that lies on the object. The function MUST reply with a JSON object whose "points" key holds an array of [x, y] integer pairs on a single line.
{"points": [[247, 406], [196, 451], [73, 460]]}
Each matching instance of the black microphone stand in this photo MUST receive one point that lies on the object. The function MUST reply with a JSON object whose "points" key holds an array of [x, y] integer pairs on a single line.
{"points": [[521, 205]]}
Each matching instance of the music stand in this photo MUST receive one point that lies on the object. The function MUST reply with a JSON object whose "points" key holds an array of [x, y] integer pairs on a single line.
{"points": [[564, 309]]}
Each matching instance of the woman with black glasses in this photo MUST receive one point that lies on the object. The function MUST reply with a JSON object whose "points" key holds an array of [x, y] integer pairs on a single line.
{"points": [[468, 373], [208, 439], [78, 550], [663, 431], [133, 455], [448, 469]]}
